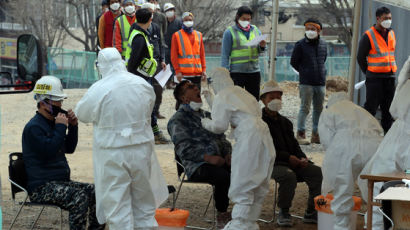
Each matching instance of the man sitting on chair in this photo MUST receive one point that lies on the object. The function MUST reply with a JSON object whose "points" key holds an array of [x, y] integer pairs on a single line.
{"points": [[291, 163], [45, 144], [205, 156]]}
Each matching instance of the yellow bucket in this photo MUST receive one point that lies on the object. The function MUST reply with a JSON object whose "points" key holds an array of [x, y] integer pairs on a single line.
{"points": [[176, 218]]}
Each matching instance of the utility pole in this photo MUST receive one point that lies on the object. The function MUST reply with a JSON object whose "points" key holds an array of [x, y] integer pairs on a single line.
{"points": [[275, 15], [353, 53]]}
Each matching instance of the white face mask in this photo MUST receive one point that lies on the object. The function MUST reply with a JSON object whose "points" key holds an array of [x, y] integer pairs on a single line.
{"points": [[170, 14], [386, 24], [244, 24], [189, 23], [275, 105], [115, 6], [195, 105], [311, 34], [130, 9]]}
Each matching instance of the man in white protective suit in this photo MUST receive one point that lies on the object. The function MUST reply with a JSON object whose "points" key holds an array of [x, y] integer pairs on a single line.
{"points": [[350, 136], [129, 184], [253, 154], [393, 154]]}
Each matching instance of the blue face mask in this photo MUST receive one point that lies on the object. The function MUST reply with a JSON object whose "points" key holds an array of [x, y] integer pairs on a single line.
{"points": [[187, 29]]}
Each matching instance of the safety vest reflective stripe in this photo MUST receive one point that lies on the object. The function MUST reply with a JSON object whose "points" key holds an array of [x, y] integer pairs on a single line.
{"points": [[236, 59], [381, 64], [148, 66], [189, 58], [190, 65], [125, 30], [240, 52], [381, 57]]}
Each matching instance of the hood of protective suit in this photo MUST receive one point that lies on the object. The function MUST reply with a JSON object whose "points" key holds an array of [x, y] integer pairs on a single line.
{"points": [[400, 107], [404, 74], [221, 79], [110, 61], [336, 97]]}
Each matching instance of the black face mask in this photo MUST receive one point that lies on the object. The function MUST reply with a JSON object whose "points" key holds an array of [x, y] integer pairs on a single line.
{"points": [[55, 110]]}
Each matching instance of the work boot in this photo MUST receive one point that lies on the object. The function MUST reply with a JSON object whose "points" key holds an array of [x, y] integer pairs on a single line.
{"points": [[310, 218], [222, 219], [284, 218], [301, 138], [159, 116], [160, 139], [315, 138]]}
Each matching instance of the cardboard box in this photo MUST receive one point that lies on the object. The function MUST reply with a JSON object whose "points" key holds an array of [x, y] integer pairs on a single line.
{"points": [[400, 197]]}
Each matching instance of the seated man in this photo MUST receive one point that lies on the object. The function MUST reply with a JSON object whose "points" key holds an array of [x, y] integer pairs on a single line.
{"points": [[45, 144], [291, 164], [205, 156]]}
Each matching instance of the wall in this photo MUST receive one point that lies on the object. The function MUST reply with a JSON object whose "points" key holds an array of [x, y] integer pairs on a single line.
{"points": [[401, 29]]}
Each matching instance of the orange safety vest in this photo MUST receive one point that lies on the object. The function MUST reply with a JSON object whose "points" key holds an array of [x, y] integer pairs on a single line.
{"points": [[189, 56], [381, 56]]}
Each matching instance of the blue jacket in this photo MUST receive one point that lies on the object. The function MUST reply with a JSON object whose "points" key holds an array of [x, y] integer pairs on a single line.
{"points": [[308, 58], [44, 146], [227, 42], [192, 141]]}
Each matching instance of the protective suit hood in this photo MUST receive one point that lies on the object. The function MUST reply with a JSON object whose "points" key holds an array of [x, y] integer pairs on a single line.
{"points": [[404, 74], [109, 60], [221, 79], [336, 97]]}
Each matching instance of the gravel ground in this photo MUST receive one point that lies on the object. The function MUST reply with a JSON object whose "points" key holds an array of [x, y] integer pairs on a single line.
{"points": [[16, 110]]}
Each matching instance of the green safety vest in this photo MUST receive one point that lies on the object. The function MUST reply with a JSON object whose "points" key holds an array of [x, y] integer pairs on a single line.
{"points": [[125, 32], [148, 66], [240, 52]]}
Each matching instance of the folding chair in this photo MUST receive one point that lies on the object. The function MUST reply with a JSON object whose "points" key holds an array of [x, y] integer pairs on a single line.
{"points": [[181, 178], [275, 199], [18, 180]]}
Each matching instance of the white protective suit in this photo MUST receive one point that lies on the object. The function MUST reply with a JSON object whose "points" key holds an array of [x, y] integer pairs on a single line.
{"points": [[393, 154], [129, 184], [350, 136], [253, 154]]}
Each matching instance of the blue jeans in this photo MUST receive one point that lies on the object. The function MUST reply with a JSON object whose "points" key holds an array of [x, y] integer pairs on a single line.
{"points": [[309, 94]]}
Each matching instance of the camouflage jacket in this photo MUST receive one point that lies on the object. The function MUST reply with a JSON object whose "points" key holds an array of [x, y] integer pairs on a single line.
{"points": [[192, 141]]}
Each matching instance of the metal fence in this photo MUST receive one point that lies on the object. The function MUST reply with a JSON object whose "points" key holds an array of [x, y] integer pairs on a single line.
{"points": [[76, 69]]}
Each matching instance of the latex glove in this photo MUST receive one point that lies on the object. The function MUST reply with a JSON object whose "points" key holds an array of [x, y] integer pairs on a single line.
{"points": [[209, 97], [206, 123]]}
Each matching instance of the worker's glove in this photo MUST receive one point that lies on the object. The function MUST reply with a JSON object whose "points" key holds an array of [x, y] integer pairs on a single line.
{"points": [[206, 123], [209, 97]]}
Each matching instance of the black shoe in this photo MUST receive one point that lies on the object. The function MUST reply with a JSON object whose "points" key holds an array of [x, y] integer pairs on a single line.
{"points": [[160, 139], [159, 116], [284, 219], [310, 218]]}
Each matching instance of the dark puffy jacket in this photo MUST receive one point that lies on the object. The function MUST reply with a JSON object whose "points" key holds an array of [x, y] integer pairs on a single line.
{"points": [[44, 148], [308, 58], [281, 130]]}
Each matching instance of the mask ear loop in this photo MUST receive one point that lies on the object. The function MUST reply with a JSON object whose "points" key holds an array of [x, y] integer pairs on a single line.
{"points": [[49, 106]]}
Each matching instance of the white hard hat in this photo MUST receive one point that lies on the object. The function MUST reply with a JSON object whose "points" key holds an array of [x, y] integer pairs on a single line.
{"points": [[148, 5], [49, 87], [168, 6], [140, 2], [270, 86]]}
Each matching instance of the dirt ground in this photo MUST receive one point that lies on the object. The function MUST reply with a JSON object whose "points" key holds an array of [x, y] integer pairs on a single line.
{"points": [[16, 110]]}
